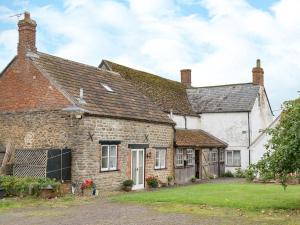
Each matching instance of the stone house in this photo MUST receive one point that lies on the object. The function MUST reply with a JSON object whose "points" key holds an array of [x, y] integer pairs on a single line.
{"points": [[113, 131], [197, 153], [232, 116]]}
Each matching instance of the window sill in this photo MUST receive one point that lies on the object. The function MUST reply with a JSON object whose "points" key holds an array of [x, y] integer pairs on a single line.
{"points": [[161, 168], [107, 171]]}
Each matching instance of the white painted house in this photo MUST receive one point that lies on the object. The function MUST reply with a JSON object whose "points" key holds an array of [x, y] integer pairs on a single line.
{"points": [[235, 113], [257, 146]]}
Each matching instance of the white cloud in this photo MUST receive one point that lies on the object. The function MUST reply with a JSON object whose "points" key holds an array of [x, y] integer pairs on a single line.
{"points": [[155, 36]]}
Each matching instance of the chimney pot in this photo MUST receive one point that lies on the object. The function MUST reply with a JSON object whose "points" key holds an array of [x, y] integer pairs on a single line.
{"points": [[26, 15], [258, 74], [186, 77]]}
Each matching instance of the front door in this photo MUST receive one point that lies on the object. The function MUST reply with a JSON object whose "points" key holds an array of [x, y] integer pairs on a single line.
{"points": [[137, 168]]}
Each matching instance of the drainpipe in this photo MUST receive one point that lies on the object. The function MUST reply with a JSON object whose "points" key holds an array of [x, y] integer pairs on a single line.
{"points": [[185, 122], [249, 138]]}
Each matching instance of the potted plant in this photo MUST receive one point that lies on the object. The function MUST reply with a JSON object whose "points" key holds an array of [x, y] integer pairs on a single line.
{"points": [[127, 185], [193, 179], [152, 181], [87, 187], [170, 179]]}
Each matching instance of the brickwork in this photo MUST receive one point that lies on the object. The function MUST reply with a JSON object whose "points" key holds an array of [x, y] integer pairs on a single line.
{"points": [[186, 77]]}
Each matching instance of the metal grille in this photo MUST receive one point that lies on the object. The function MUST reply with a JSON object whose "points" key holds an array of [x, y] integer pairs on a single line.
{"points": [[30, 163], [52, 163]]}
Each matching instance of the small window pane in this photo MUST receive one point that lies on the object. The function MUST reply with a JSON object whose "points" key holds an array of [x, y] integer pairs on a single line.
{"points": [[104, 151], [104, 163]]}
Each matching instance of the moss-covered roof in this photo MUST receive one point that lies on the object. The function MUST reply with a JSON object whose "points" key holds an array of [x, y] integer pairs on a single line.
{"points": [[167, 94]]}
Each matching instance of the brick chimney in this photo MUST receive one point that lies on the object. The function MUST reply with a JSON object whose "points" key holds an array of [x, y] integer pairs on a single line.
{"points": [[27, 31], [258, 74], [186, 77]]}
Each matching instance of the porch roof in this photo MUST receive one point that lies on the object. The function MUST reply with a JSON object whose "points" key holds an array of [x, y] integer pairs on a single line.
{"points": [[197, 138]]}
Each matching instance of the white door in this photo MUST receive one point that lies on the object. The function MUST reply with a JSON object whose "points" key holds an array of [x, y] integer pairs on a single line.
{"points": [[137, 168]]}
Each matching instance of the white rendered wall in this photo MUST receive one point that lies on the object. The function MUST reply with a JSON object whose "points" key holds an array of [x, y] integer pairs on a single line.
{"points": [[186, 122]]}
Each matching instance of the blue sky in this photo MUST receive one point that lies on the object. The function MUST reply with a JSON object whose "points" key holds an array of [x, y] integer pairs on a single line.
{"points": [[218, 39]]}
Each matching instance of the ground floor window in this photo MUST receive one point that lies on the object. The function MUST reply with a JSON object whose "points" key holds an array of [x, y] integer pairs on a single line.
{"points": [[109, 157], [213, 156], [233, 158], [221, 155], [190, 155], [160, 158], [179, 157]]}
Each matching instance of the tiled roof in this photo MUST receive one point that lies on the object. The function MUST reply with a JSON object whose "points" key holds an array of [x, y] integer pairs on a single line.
{"points": [[167, 94], [197, 138], [123, 102], [225, 98]]}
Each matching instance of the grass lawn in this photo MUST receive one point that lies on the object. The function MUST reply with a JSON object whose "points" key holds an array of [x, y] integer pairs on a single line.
{"points": [[15, 203], [256, 203]]}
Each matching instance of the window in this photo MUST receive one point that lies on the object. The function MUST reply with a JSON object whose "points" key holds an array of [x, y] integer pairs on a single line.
{"points": [[233, 158], [179, 157], [108, 88], [213, 156], [160, 158], [109, 157], [190, 156], [222, 155]]}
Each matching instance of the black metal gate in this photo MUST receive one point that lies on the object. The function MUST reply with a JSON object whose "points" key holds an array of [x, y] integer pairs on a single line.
{"points": [[59, 164]]}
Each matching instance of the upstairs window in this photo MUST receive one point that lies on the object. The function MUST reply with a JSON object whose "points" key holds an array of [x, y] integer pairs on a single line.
{"points": [[160, 158]]}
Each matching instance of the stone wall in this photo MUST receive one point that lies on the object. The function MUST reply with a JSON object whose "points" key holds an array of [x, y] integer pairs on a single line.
{"points": [[55, 129], [87, 162]]}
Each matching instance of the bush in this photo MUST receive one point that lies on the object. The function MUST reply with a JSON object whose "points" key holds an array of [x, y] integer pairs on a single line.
{"points": [[228, 174], [170, 179], [19, 186], [250, 173], [152, 181], [128, 183], [239, 173], [193, 179]]}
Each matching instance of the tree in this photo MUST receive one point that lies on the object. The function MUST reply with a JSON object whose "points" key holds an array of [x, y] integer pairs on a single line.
{"points": [[283, 150]]}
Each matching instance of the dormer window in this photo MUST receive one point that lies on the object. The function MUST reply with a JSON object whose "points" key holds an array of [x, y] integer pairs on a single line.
{"points": [[108, 88]]}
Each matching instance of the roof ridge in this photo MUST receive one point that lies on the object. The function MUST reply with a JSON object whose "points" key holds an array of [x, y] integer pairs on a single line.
{"points": [[222, 85], [108, 61]]}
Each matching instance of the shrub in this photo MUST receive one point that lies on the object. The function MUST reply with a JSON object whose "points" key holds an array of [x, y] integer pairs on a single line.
{"points": [[228, 174], [87, 184], [250, 173], [19, 186], [152, 181], [193, 179], [169, 178], [128, 183], [239, 173]]}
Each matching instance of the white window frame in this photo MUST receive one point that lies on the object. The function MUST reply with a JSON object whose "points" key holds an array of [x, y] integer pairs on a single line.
{"points": [[222, 155], [179, 160], [211, 158], [108, 158], [108, 88], [234, 164], [160, 158], [190, 155]]}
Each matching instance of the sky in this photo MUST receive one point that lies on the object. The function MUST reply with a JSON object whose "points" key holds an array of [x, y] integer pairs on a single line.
{"points": [[219, 40]]}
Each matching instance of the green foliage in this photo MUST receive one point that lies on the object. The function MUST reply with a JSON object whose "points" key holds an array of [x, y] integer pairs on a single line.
{"points": [[239, 173], [19, 186], [152, 181], [228, 174], [283, 155], [170, 178], [128, 183], [250, 173]]}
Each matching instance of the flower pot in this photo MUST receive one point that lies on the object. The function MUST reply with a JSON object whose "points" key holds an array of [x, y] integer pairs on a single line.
{"points": [[48, 193], [87, 192], [2, 193], [127, 188]]}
